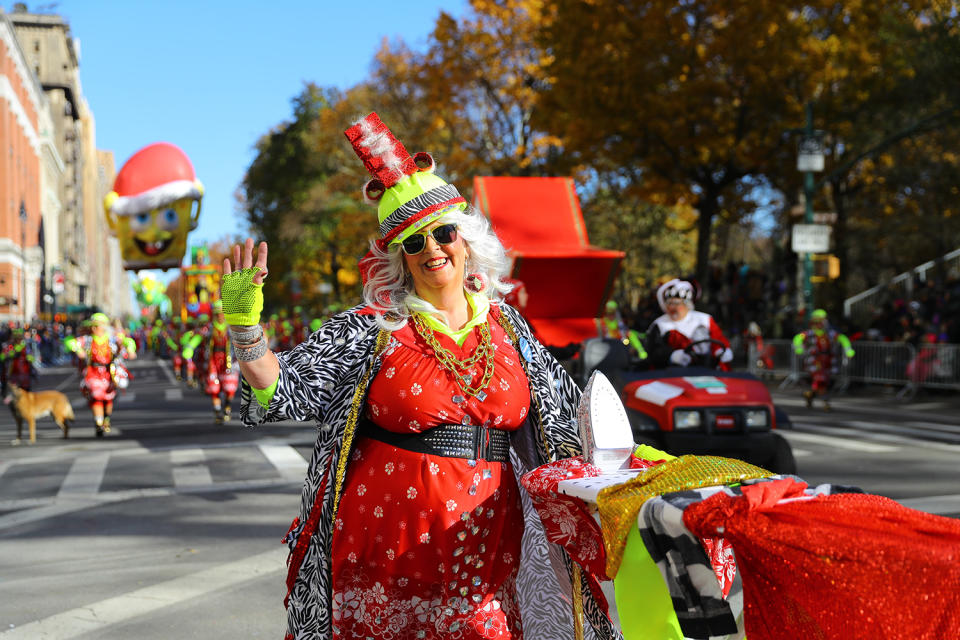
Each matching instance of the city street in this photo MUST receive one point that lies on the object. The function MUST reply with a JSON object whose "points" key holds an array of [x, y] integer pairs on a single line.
{"points": [[170, 526]]}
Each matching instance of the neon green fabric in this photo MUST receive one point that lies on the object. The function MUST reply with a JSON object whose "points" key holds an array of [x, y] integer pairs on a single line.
{"points": [[637, 343], [192, 341], [99, 318], [264, 396], [798, 343], [643, 602], [70, 343], [479, 305], [845, 343], [242, 299]]}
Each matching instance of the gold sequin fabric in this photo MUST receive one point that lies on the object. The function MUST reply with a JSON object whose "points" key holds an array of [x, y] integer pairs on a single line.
{"points": [[620, 505]]}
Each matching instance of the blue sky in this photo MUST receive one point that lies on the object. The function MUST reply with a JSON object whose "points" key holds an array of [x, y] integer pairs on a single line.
{"points": [[213, 76]]}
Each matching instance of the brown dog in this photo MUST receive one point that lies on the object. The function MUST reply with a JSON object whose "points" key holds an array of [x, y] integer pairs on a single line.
{"points": [[31, 405]]}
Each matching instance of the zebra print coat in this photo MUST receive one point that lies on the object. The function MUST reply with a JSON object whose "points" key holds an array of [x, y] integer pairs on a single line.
{"points": [[325, 379]]}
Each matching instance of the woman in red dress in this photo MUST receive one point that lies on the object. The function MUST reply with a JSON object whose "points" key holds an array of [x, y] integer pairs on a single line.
{"points": [[430, 399]]}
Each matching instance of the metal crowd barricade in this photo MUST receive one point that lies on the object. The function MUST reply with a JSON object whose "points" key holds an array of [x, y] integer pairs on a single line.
{"points": [[896, 363]]}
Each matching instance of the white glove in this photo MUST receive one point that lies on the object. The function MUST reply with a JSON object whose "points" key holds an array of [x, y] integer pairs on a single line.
{"points": [[680, 358], [725, 355]]}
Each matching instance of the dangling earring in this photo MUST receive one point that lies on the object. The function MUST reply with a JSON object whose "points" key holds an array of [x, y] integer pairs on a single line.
{"points": [[475, 282]]}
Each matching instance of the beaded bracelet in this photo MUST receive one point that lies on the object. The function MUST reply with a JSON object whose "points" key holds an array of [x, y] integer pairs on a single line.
{"points": [[254, 351], [246, 335]]}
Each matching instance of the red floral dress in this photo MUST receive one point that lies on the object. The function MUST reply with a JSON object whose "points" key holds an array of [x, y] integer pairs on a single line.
{"points": [[427, 546], [221, 377], [98, 384]]}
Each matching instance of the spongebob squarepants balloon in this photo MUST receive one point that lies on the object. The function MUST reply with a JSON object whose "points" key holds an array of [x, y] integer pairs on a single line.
{"points": [[154, 204]]}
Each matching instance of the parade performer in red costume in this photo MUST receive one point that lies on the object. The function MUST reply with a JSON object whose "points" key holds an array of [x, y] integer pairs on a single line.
{"points": [[431, 397], [683, 336], [100, 350], [18, 362], [822, 350], [221, 380]]}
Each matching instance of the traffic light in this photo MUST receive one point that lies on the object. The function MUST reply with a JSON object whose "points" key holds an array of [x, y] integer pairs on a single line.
{"points": [[826, 266], [833, 267]]}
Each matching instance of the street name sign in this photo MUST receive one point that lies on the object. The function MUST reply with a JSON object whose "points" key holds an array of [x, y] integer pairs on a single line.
{"points": [[810, 238], [810, 153]]}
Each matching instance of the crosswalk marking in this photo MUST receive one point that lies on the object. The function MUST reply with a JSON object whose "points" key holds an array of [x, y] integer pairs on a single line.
{"points": [[70, 380], [867, 432], [841, 443], [173, 394], [168, 371], [189, 470], [925, 429], [99, 616], [934, 504], [286, 459], [85, 475]]}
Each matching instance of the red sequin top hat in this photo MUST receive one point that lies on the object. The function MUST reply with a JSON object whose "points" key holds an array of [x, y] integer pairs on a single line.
{"points": [[407, 193]]}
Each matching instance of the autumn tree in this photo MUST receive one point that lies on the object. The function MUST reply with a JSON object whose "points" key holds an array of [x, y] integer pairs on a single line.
{"points": [[470, 97], [889, 129], [298, 195], [697, 96]]}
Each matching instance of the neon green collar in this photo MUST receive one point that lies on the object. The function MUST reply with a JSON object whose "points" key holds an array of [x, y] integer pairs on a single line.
{"points": [[479, 306]]}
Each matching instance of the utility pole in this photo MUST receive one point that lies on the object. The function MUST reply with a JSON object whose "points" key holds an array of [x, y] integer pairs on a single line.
{"points": [[23, 262], [808, 191], [809, 238]]}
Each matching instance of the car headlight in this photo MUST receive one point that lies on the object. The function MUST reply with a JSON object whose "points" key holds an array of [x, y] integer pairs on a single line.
{"points": [[757, 419], [685, 419]]}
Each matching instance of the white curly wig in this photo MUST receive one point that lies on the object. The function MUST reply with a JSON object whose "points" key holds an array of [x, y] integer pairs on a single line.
{"points": [[389, 291]]}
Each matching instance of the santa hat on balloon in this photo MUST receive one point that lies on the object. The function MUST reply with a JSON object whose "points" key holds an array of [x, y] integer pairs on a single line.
{"points": [[408, 195], [154, 176]]}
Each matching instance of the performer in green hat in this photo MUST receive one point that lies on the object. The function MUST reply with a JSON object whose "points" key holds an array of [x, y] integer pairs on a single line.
{"points": [[822, 350]]}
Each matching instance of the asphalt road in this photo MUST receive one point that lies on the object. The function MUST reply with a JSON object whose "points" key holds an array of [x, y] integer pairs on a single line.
{"points": [[170, 526]]}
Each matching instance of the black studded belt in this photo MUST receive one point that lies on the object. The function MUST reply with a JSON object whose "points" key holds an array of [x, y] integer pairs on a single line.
{"points": [[472, 442]]}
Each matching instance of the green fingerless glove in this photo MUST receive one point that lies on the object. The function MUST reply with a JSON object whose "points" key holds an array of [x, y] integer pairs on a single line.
{"points": [[242, 299]]}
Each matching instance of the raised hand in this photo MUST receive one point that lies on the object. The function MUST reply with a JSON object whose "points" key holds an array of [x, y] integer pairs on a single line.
{"points": [[247, 260], [241, 289]]}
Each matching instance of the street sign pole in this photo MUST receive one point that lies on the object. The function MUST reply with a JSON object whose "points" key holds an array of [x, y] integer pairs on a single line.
{"points": [[808, 190]]}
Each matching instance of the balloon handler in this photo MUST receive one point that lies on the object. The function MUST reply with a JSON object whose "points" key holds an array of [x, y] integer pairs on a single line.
{"points": [[189, 341], [100, 351], [221, 380], [823, 350]]}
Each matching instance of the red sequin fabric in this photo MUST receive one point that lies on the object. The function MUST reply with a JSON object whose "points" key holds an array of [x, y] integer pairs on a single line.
{"points": [[842, 566]]}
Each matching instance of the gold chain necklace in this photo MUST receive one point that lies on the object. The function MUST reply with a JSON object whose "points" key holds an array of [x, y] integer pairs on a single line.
{"points": [[454, 365]]}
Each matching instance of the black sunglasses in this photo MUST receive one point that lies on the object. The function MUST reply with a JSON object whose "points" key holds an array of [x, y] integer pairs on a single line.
{"points": [[444, 234]]}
